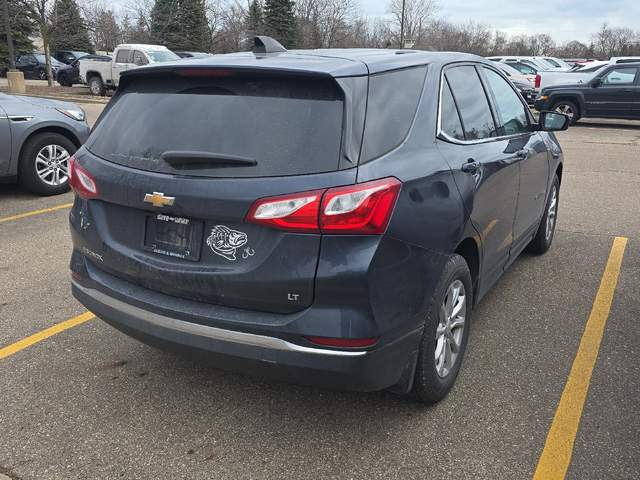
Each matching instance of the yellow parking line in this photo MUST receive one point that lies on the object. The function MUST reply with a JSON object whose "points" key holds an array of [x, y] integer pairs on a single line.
{"points": [[36, 212], [555, 458], [22, 344]]}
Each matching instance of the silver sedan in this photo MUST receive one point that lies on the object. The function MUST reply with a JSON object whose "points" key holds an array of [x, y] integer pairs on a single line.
{"points": [[37, 138]]}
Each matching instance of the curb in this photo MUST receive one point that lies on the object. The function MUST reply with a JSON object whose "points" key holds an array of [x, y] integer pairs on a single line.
{"points": [[65, 99]]}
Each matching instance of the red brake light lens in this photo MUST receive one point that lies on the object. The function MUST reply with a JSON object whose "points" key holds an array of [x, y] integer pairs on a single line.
{"points": [[537, 84], [362, 209], [344, 342], [203, 72], [81, 181], [298, 212]]}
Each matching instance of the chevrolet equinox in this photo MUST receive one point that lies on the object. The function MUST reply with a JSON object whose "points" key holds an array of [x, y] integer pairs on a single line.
{"points": [[327, 217]]}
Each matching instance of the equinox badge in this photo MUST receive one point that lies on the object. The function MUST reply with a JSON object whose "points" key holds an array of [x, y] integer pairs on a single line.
{"points": [[158, 199]]}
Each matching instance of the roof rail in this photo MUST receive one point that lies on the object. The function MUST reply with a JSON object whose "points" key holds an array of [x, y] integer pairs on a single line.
{"points": [[263, 45]]}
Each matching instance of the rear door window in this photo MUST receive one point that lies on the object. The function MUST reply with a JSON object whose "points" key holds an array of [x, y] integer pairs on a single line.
{"points": [[393, 101], [139, 58], [123, 56], [472, 102], [450, 123], [512, 110], [287, 126]]}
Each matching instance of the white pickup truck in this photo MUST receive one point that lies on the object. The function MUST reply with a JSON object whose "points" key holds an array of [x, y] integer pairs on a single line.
{"points": [[551, 77], [101, 76]]}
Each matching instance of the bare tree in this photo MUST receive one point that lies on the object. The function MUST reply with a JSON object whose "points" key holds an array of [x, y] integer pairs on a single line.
{"points": [[418, 14], [42, 13], [103, 24]]}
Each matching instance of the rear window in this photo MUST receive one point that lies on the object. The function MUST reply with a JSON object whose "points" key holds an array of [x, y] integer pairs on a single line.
{"points": [[288, 126]]}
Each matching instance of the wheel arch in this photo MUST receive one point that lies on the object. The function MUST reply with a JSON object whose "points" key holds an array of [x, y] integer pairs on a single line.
{"points": [[470, 251], [49, 129]]}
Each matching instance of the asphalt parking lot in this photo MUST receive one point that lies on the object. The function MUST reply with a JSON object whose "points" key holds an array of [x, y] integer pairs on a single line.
{"points": [[89, 402]]}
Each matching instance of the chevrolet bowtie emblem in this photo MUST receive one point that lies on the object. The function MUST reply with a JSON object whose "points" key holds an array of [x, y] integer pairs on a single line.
{"points": [[158, 199]]}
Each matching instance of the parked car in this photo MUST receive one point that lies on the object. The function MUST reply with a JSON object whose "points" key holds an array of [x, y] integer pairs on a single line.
{"points": [[39, 136], [537, 64], [546, 78], [68, 57], [527, 90], [35, 66], [357, 205], [609, 93], [101, 76], [193, 54], [616, 60], [514, 75], [69, 75]]}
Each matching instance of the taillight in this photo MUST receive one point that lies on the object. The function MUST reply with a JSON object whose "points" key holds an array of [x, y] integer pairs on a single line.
{"points": [[537, 81], [362, 209], [291, 213], [359, 209], [81, 181], [344, 342]]}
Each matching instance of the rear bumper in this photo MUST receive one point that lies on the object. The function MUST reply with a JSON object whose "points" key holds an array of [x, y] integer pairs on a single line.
{"points": [[264, 353]]}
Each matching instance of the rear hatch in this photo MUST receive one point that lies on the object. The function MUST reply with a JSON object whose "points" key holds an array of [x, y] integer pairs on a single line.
{"points": [[178, 163]]}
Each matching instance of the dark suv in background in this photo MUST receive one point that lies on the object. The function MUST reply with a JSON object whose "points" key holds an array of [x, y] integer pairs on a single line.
{"points": [[323, 217], [613, 91]]}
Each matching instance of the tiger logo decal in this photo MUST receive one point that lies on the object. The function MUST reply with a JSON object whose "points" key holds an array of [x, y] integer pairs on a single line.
{"points": [[224, 241]]}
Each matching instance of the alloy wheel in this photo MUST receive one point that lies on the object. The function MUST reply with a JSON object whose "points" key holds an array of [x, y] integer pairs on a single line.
{"points": [[42, 75], [450, 328], [52, 165], [551, 213], [566, 109]]}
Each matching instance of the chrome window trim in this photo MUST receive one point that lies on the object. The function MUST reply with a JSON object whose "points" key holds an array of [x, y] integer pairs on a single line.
{"points": [[443, 136], [230, 336]]}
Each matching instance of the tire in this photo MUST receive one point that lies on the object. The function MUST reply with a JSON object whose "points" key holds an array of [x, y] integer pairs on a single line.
{"points": [[42, 74], [568, 108], [434, 377], [34, 171], [96, 86], [544, 236], [63, 80]]}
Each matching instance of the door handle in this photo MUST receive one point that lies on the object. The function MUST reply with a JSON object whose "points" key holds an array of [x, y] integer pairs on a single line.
{"points": [[625, 90], [471, 166]]}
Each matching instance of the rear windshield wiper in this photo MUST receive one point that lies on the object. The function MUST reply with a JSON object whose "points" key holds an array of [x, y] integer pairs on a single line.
{"points": [[183, 157]]}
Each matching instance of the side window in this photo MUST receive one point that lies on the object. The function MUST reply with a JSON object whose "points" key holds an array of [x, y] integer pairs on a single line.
{"points": [[139, 58], [123, 56], [620, 76], [524, 69], [393, 101], [450, 123], [512, 111], [472, 102], [552, 62]]}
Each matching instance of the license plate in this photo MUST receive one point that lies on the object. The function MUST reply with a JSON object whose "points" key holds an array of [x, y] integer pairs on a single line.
{"points": [[173, 236]]}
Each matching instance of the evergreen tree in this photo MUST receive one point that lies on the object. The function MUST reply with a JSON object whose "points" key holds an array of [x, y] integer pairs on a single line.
{"points": [[280, 22], [22, 28], [71, 31], [192, 26], [254, 22], [165, 28]]}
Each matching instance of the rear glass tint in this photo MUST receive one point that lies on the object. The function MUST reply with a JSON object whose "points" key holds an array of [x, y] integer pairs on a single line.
{"points": [[393, 100], [288, 126]]}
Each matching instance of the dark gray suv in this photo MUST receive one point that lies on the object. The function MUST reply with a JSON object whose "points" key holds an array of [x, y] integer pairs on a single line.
{"points": [[322, 217]]}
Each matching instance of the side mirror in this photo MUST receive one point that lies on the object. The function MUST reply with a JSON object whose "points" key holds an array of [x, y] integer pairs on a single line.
{"points": [[553, 121], [596, 82]]}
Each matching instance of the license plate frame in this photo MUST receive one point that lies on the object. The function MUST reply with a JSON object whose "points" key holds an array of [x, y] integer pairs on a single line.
{"points": [[173, 236]]}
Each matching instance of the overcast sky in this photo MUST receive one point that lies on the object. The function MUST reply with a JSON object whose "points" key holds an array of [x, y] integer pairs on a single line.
{"points": [[563, 19]]}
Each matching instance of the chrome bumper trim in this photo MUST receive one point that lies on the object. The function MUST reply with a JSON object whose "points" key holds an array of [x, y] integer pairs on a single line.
{"points": [[215, 333]]}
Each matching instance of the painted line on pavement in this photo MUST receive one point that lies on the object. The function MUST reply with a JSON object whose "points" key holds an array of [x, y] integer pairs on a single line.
{"points": [[61, 327], [36, 212], [556, 455]]}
